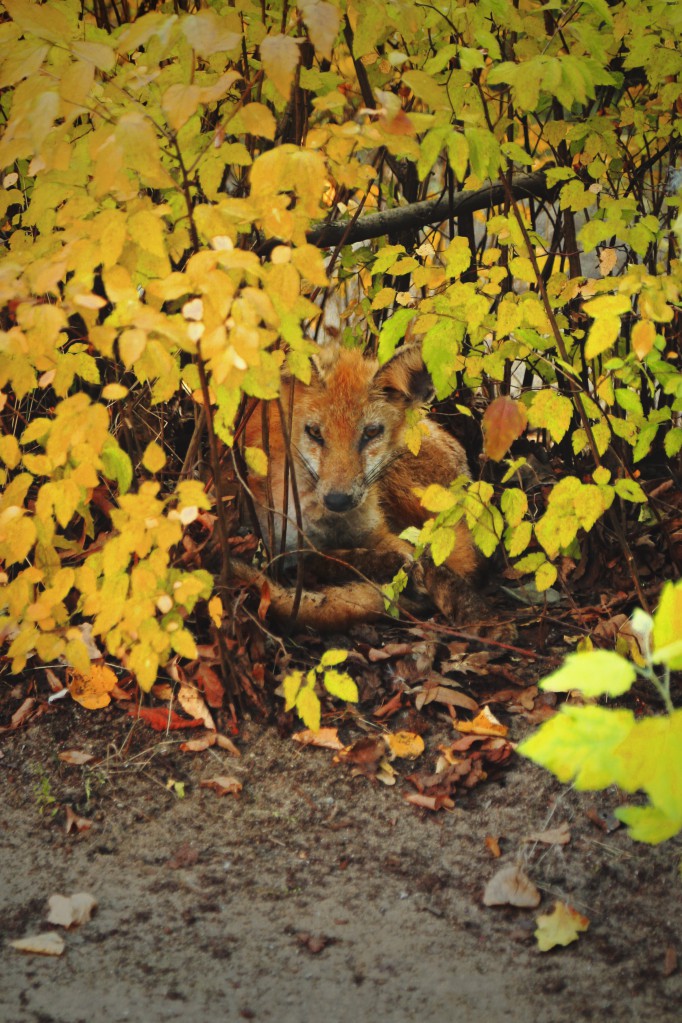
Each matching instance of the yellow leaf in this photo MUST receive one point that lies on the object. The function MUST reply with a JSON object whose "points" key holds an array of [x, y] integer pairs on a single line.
{"points": [[322, 22], [257, 461], [41, 21], [308, 708], [92, 691], [561, 927], [280, 55], [642, 338], [258, 120], [99, 54], [154, 457], [603, 334], [10, 453], [208, 32], [408, 745], [215, 611]]}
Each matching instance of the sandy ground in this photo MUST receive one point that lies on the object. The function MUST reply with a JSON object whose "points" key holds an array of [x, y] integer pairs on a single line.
{"points": [[315, 895]]}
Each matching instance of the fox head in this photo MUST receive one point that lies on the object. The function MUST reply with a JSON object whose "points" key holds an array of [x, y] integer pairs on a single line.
{"points": [[348, 423]]}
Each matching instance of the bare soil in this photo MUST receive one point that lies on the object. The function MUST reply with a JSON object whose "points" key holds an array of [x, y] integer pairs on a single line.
{"points": [[315, 895]]}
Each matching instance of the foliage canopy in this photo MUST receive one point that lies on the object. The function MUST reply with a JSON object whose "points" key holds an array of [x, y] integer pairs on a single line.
{"points": [[183, 191]]}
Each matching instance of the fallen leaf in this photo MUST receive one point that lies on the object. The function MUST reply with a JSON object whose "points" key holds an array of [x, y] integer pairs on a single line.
{"points": [[386, 774], [510, 886], [194, 705], [560, 927], [328, 738], [21, 715], [162, 691], [161, 719], [388, 651], [265, 600], [71, 910], [407, 745], [74, 821], [223, 785], [560, 835], [47, 944], [670, 961], [365, 753], [55, 683], [209, 682], [75, 756], [314, 943], [429, 802], [493, 846], [484, 723], [225, 743], [199, 744], [92, 691]]}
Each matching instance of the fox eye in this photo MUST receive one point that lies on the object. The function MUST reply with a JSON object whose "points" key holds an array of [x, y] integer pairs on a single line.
{"points": [[314, 432], [370, 432]]}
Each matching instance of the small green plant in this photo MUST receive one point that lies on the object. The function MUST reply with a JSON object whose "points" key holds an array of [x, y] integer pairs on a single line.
{"points": [[299, 688], [595, 747], [44, 798]]}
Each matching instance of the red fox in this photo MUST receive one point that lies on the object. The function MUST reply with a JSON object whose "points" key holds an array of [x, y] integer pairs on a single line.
{"points": [[355, 480]]}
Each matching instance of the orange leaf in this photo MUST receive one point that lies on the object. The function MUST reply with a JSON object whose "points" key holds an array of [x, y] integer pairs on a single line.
{"points": [[223, 785], [504, 420], [161, 719], [408, 745], [92, 691], [484, 723], [328, 738]]}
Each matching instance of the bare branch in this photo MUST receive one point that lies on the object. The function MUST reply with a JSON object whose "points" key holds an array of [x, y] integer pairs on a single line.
{"points": [[431, 211]]}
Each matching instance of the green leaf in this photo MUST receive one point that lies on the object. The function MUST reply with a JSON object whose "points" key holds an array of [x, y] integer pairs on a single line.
{"points": [[594, 673], [117, 465], [648, 823], [630, 490], [578, 744], [392, 332]]}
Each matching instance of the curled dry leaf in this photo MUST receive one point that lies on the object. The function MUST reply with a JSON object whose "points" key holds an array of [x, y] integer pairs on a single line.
{"points": [[429, 802], [74, 821], [484, 723], [327, 738], [48, 944], [194, 705], [510, 886], [560, 835], [223, 785], [71, 910], [493, 846], [76, 757], [560, 927], [21, 715]]}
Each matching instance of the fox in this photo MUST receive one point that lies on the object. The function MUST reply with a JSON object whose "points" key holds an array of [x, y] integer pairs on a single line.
{"points": [[354, 483]]}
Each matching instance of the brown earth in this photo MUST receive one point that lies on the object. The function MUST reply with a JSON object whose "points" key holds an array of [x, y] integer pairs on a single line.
{"points": [[315, 895]]}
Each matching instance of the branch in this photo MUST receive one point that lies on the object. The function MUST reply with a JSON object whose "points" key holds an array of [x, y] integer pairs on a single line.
{"points": [[431, 211]]}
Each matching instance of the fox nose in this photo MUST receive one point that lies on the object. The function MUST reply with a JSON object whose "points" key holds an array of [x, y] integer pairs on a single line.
{"points": [[337, 502]]}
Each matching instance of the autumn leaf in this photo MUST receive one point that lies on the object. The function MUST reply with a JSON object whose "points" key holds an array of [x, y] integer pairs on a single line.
{"points": [[325, 737], [560, 927], [503, 422], [48, 944], [485, 723], [406, 745], [511, 886], [71, 910], [92, 691], [223, 785], [162, 720], [280, 55]]}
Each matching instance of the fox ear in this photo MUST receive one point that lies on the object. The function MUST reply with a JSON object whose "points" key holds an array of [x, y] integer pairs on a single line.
{"points": [[405, 378], [324, 359]]}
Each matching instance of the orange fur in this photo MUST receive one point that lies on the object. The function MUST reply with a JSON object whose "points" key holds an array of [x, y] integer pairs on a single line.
{"points": [[354, 474]]}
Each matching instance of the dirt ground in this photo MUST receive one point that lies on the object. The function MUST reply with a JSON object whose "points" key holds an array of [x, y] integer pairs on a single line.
{"points": [[315, 895]]}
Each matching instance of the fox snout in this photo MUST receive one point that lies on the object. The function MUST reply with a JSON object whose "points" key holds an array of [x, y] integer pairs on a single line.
{"points": [[337, 501]]}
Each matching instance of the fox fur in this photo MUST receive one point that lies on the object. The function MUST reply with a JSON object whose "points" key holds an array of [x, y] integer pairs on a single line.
{"points": [[355, 479]]}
